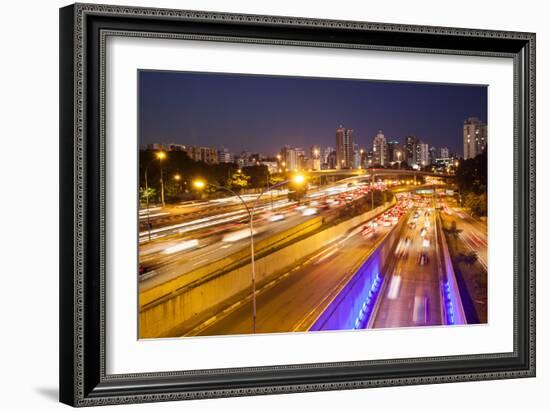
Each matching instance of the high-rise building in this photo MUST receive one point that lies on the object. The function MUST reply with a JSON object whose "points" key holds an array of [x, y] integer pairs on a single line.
{"points": [[332, 160], [410, 150], [314, 158], [380, 150], [224, 155], [422, 154], [444, 153], [393, 150], [291, 158], [433, 154], [326, 153], [207, 155], [344, 147], [474, 137]]}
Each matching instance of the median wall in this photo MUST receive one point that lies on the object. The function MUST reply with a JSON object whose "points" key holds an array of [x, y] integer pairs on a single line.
{"points": [[171, 314]]}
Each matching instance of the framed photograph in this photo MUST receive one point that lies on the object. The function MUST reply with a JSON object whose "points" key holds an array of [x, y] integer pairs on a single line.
{"points": [[262, 204]]}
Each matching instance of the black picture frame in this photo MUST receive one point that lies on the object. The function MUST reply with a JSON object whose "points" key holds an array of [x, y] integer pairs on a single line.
{"points": [[83, 380]]}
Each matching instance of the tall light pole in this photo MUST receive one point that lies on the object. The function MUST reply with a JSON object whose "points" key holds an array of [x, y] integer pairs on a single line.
{"points": [[200, 184], [177, 177], [160, 155]]}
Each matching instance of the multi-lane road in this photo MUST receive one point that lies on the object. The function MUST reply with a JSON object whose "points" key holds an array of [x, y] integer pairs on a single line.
{"points": [[207, 232], [295, 300], [411, 295]]}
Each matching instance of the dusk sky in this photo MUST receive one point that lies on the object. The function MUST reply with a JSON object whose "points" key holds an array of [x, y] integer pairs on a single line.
{"points": [[263, 113]]}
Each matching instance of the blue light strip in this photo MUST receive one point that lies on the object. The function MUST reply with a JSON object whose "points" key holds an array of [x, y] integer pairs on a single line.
{"points": [[366, 309], [448, 304]]}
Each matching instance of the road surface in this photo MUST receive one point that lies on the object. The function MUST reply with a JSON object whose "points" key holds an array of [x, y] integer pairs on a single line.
{"points": [[282, 307], [412, 293]]}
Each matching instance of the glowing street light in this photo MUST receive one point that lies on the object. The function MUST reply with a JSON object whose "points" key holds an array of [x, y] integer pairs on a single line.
{"points": [[201, 184], [299, 179]]}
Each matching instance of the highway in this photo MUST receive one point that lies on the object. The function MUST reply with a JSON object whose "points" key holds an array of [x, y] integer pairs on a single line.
{"points": [[412, 292], [287, 304], [193, 243], [473, 233]]}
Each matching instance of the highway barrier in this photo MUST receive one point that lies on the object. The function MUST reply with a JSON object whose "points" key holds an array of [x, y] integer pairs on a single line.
{"points": [[170, 309], [453, 310]]}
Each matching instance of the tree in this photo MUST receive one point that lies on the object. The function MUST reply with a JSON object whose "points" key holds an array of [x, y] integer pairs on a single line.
{"points": [[477, 203], [238, 181], [258, 175], [150, 193]]}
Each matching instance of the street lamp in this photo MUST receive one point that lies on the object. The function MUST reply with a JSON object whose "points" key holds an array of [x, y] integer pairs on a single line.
{"points": [[158, 156], [177, 178], [161, 156], [298, 179]]}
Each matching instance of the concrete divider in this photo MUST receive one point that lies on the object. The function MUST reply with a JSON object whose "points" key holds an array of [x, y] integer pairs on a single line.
{"points": [[453, 310], [352, 306], [175, 311]]}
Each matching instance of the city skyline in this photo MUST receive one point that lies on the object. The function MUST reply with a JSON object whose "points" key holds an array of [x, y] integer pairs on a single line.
{"points": [[264, 113]]}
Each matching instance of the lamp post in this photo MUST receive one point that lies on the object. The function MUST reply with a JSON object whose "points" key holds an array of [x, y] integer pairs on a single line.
{"points": [[160, 155], [177, 178], [200, 184]]}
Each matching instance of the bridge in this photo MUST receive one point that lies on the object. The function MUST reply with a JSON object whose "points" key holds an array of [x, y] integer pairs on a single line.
{"points": [[368, 172]]}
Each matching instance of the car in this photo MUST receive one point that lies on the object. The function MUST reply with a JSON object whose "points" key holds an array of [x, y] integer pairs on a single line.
{"points": [[309, 211], [423, 259], [276, 217], [423, 231], [367, 231]]}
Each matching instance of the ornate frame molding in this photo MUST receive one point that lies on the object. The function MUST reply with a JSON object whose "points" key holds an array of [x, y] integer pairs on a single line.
{"points": [[83, 378]]}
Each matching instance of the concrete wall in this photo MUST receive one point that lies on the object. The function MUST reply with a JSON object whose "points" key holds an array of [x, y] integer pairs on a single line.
{"points": [[172, 314], [450, 293]]}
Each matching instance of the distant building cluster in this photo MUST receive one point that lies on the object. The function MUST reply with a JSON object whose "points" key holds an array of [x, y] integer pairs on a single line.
{"points": [[347, 154], [382, 152], [212, 155]]}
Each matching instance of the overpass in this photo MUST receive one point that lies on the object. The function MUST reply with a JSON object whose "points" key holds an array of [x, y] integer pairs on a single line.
{"points": [[377, 172]]}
